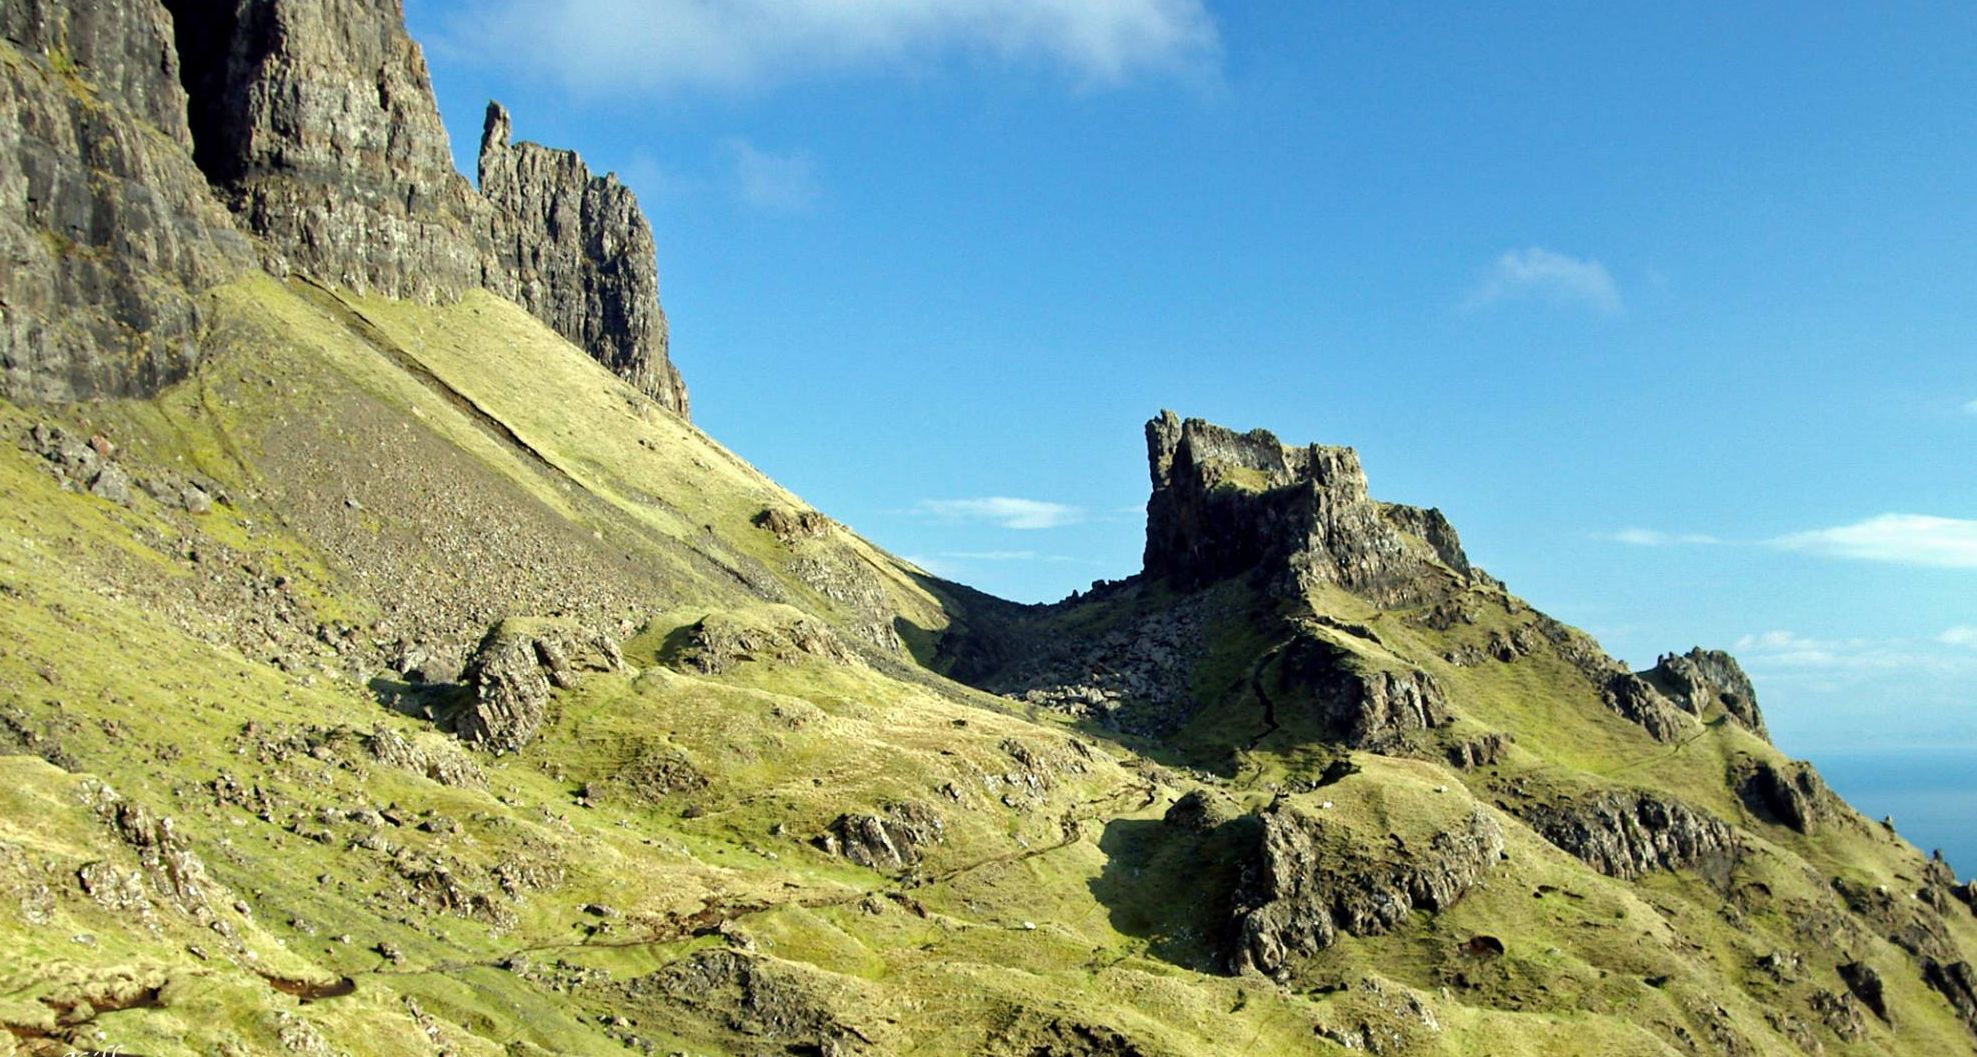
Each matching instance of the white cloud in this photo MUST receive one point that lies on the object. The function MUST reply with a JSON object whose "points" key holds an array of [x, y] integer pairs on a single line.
{"points": [[1961, 635], [1005, 511], [1544, 275], [670, 45], [1970, 408], [1905, 539], [1641, 537], [780, 183]]}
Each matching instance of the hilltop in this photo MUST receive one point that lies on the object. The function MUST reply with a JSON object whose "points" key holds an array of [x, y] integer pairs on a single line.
{"points": [[393, 668]]}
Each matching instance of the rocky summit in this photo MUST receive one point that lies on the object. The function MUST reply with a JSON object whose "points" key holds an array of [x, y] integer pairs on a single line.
{"points": [[391, 668]]}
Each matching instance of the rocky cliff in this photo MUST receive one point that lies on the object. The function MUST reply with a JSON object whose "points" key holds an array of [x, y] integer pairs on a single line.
{"points": [[107, 229], [575, 250], [315, 121], [159, 148], [1225, 503]]}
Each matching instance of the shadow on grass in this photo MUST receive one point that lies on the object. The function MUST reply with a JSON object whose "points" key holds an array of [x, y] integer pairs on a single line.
{"points": [[1173, 886]]}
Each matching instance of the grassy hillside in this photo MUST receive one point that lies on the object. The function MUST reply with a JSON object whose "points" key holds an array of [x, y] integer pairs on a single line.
{"points": [[673, 863]]}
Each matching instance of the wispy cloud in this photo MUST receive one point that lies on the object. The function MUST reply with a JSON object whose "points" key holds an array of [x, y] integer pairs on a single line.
{"points": [[1641, 537], [1538, 274], [1970, 407], [672, 45], [779, 183], [1006, 511], [1904, 539]]}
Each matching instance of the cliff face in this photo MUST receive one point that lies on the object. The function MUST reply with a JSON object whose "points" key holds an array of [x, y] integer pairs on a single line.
{"points": [[106, 226], [148, 138], [315, 121], [575, 250], [1224, 503]]}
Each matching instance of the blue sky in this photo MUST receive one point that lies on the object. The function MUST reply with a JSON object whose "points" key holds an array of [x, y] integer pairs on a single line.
{"points": [[1669, 306]]}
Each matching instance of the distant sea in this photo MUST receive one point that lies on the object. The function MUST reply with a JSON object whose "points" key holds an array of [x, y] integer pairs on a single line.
{"points": [[1932, 793]]}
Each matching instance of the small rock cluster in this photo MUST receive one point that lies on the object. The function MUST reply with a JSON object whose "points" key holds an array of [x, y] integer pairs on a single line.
{"points": [[91, 465]]}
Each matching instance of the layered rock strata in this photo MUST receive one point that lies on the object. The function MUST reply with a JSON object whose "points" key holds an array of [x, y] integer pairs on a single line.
{"points": [[1626, 835], [514, 669], [108, 228], [316, 123]]}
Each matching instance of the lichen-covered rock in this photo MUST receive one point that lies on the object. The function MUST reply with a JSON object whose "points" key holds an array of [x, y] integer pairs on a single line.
{"points": [[1700, 678], [575, 250], [514, 669], [315, 121], [1309, 883], [1626, 835], [789, 526], [894, 839], [1226, 503], [107, 227], [769, 1003], [431, 755], [1865, 983], [1957, 984], [1482, 750]]}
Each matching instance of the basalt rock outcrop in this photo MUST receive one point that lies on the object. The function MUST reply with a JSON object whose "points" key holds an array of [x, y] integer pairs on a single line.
{"points": [[1309, 883], [575, 250], [894, 839], [1226, 503], [1626, 835], [1700, 678], [514, 669], [1358, 706], [107, 228], [147, 141], [315, 122], [1790, 794]]}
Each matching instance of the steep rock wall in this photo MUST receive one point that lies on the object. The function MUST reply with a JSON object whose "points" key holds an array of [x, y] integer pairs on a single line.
{"points": [[149, 138], [575, 250], [107, 229], [315, 120]]}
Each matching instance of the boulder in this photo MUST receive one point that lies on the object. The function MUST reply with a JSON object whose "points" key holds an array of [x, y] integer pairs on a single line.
{"points": [[894, 839]]}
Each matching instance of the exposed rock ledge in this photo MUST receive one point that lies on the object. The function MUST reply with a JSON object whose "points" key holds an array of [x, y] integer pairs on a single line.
{"points": [[513, 670], [1308, 884], [1626, 835]]}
